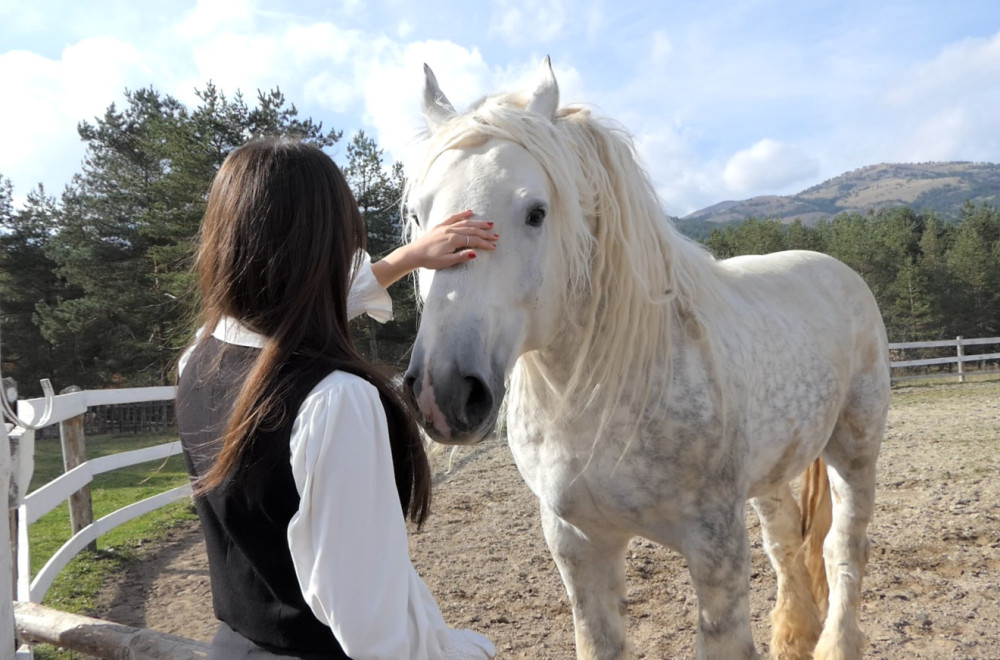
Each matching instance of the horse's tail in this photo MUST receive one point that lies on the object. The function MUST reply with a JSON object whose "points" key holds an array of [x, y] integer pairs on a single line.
{"points": [[817, 515]]}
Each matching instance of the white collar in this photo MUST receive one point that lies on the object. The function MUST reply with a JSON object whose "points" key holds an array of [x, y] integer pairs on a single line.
{"points": [[232, 331]]}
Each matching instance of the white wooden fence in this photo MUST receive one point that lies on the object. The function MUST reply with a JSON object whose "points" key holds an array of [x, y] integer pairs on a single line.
{"points": [[958, 357], [46, 498]]}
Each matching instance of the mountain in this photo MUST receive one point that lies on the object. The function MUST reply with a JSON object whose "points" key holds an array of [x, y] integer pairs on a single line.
{"points": [[939, 187]]}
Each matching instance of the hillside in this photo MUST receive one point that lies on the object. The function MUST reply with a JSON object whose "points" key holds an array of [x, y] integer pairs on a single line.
{"points": [[939, 187]]}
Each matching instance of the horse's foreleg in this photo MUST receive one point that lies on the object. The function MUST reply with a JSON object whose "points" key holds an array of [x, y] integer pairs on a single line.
{"points": [[718, 555], [795, 620], [592, 566]]}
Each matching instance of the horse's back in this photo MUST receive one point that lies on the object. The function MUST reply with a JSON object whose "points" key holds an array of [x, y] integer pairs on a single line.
{"points": [[810, 345], [806, 291]]}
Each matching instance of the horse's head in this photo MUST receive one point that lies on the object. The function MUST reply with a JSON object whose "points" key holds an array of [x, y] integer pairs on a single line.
{"points": [[479, 317], [579, 284]]}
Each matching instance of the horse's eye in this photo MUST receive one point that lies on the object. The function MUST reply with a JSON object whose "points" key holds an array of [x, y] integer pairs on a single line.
{"points": [[535, 217], [414, 219]]}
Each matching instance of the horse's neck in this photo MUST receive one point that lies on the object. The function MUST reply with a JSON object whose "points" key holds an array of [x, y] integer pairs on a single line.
{"points": [[546, 374]]}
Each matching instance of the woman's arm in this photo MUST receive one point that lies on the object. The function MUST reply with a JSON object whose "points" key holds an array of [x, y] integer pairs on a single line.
{"points": [[453, 241]]}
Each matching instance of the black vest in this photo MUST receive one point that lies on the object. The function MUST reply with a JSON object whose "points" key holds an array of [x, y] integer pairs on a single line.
{"points": [[245, 521]]}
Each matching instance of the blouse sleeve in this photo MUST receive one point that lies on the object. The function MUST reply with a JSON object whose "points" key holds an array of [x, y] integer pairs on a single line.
{"points": [[366, 295], [348, 538]]}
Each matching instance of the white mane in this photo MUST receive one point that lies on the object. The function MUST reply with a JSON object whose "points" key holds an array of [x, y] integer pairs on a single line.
{"points": [[626, 267]]}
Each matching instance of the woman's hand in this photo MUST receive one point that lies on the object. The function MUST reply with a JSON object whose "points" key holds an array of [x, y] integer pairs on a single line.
{"points": [[453, 241]]}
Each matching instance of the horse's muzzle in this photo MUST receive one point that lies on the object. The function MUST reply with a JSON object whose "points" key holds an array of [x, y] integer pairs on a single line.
{"points": [[456, 408]]}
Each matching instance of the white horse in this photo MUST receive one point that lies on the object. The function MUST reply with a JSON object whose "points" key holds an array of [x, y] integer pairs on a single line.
{"points": [[650, 389]]}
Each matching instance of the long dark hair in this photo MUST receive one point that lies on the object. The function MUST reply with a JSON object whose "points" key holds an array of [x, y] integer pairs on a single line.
{"points": [[281, 239]]}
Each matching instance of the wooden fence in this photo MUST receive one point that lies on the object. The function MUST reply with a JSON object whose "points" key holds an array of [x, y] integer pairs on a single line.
{"points": [[923, 359], [36, 624]]}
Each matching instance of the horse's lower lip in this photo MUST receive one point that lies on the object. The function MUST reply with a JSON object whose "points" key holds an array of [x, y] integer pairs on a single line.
{"points": [[460, 442], [453, 438]]}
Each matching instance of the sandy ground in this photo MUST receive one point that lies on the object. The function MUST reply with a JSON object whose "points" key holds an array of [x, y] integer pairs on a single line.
{"points": [[932, 589]]}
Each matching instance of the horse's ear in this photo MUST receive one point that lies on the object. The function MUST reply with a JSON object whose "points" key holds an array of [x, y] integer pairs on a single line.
{"points": [[545, 98], [437, 107]]}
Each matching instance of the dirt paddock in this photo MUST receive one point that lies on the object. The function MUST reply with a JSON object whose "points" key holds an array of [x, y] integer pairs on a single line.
{"points": [[932, 588]]}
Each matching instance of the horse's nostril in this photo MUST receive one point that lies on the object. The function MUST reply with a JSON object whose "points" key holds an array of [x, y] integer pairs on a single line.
{"points": [[410, 385], [478, 402]]}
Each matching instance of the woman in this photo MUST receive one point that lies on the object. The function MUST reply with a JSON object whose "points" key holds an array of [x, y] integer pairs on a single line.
{"points": [[304, 458]]}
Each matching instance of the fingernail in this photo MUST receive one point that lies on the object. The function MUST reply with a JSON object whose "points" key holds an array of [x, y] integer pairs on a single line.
{"points": [[472, 255], [496, 235], [489, 224]]}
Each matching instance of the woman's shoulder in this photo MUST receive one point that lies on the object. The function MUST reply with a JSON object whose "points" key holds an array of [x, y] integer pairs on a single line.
{"points": [[339, 382]]}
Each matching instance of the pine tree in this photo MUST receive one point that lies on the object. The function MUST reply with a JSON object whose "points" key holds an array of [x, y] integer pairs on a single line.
{"points": [[28, 283], [129, 223], [378, 191], [974, 263]]}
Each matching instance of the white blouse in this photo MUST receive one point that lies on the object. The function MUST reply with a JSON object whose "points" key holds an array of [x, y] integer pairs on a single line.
{"points": [[348, 539]]}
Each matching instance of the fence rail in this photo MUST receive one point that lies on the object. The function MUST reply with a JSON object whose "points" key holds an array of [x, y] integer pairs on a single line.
{"points": [[959, 358], [103, 639]]}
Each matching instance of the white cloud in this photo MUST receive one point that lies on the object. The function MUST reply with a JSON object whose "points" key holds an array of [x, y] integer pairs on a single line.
{"points": [[940, 137], [393, 89], [209, 16], [661, 49], [317, 64], [695, 86], [237, 61], [946, 108], [595, 22], [768, 166], [527, 22], [39, 138], [404, 29], [682, 180], [960, 69]]}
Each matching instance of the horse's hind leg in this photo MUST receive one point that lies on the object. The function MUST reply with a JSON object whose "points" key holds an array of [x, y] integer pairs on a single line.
{"points": [[592, 566], [795, 619], [850, 457]]}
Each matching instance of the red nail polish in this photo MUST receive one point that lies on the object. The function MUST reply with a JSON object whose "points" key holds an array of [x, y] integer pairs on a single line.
{"points": [[496, 235], [489, 224], [472, 255]]}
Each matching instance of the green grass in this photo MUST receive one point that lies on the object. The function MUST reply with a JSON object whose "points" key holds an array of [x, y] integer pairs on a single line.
{"points": [[78, 585], [971, 376], [925, 392]]}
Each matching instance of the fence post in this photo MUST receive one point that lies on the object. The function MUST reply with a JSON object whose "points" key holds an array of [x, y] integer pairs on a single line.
{"points": [[74, 451], [7, 646], [961, 363], [10, 391]]}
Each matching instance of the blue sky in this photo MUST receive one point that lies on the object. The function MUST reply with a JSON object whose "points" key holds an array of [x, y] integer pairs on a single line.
{"points": [[726, 99]]}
